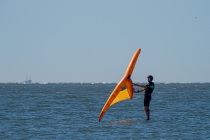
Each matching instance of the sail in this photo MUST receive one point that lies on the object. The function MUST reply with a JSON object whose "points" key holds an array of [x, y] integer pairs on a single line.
{"points": [[118, 94]]}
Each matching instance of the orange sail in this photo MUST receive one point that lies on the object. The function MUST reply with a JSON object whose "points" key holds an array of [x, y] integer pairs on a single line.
{"points": [[118, 94]]}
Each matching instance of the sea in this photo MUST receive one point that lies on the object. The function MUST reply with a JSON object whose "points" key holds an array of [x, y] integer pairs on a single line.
{"points": [[70, 111]]}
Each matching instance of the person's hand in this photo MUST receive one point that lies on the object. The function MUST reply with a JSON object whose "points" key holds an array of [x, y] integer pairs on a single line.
{"points": [[135, 84]]}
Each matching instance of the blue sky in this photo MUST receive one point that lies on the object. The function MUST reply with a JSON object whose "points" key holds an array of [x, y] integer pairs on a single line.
{"points": [[93, 41]]}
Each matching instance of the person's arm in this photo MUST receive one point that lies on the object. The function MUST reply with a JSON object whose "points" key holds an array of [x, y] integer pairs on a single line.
{"points": [[143, 86], [143, 89]]}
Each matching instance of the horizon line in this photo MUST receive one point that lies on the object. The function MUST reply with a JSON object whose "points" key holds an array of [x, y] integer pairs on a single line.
{"points": [[97, 82]]}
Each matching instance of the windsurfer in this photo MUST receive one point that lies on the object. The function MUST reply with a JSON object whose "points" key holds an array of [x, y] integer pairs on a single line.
{"points": [[147, 95]]}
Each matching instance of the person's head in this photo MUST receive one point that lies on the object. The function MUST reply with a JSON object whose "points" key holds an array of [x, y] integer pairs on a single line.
{"points": [[150, 78]]}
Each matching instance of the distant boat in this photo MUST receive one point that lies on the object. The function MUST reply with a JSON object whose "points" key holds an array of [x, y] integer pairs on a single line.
{"points": [[28, 81]]}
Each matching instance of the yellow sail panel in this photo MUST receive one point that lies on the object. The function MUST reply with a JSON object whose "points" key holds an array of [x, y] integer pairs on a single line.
{"points": [[124, 94]]}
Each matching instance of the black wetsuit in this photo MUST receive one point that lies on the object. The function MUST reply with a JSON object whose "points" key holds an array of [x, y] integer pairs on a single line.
{"points": [[148, 92]]}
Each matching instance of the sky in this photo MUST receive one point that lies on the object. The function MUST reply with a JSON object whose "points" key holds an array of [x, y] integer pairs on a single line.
{"points": [[94, 40]]}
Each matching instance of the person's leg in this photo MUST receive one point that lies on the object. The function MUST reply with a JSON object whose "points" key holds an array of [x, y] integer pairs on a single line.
{"points": [[146, 109], [146, 106]]}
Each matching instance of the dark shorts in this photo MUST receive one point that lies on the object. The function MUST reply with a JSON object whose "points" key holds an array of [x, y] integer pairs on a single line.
{"points": [[147, 99]]}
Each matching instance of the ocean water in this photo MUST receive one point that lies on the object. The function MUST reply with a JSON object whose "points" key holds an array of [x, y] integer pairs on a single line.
{"points": [[70, 111]]}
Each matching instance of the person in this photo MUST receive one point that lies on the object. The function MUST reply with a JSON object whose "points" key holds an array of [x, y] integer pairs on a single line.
{"points": [[147, 95]]}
